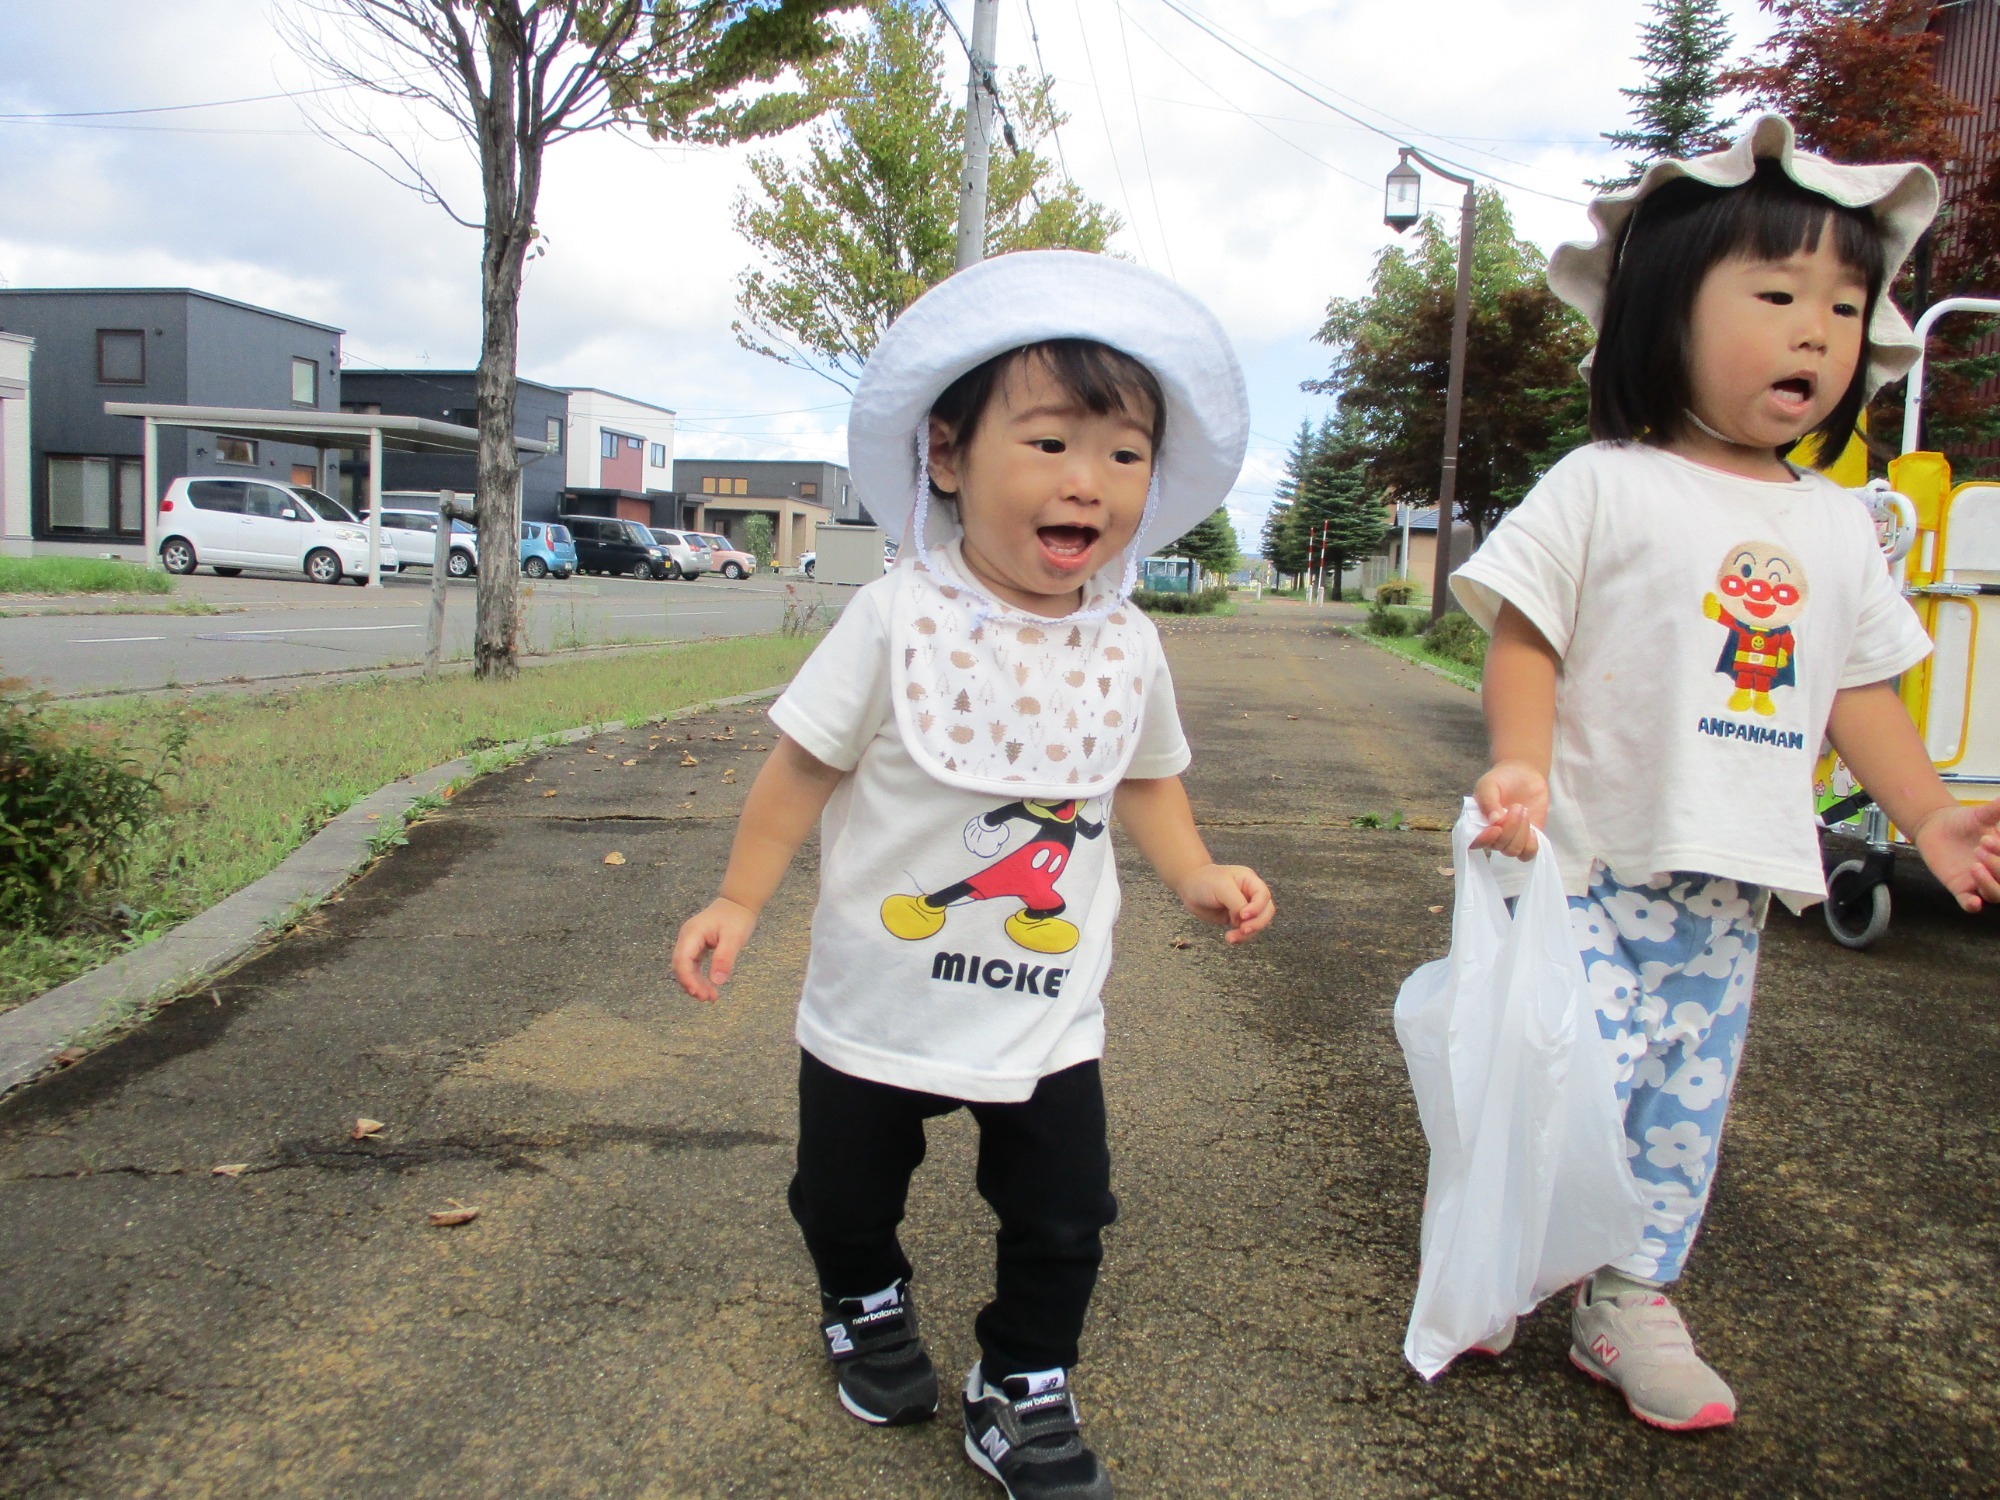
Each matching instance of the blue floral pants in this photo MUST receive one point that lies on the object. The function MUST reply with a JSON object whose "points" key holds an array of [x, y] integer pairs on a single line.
{"points": [[1671, 964]]}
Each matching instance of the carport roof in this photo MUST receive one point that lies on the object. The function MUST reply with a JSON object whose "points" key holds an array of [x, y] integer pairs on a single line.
{"points": [[321, 429]]}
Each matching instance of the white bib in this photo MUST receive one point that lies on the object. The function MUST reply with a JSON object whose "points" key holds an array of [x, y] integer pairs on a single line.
{"points": [[990, 698]]}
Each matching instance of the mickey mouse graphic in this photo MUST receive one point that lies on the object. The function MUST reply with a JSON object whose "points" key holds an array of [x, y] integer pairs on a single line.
{"points": [[1760, 590], [1028, 875]]}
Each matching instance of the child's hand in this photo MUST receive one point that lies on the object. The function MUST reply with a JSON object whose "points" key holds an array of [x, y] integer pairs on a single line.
{"points": [[1232, 896], [721, 927], [1962, 847], [1514, 796]]}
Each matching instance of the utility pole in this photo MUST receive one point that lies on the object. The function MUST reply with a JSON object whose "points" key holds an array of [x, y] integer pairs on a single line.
{"points": [[978, 135], [1454, 400]]}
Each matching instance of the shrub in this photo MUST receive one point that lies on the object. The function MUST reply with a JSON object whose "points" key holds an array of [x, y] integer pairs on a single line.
{"points": [[757, 539], [1395, 591], [70, 808], [1382, 620], [1454, 637], [1160, 602]]}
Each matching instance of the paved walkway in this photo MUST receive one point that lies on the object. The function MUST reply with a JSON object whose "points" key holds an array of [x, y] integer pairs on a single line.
{"points": [[631, 1314]]}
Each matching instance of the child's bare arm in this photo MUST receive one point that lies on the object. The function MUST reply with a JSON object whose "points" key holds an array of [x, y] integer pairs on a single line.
{"points": [[1518, 692], [1155, 811], [1873, 733], [784, 802]]}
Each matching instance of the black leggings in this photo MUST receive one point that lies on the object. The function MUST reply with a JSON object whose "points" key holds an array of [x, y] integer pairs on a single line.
{"points": [[1043, 1166]]}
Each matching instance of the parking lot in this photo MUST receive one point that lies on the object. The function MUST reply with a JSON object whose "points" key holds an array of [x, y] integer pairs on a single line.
{"points": [[272, 626]]}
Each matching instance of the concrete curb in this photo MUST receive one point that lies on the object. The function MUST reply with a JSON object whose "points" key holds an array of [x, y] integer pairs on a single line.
{"points": [[33, 1035]]}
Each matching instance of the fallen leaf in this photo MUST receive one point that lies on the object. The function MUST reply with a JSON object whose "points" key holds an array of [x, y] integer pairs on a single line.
{"points": [[1276, 777], [1446, 871], [614, 858], [730, 774], [70, 1056], [688, 758], [527, 778], [372, 817], [1179, 942], [628, 762], [364, 1128], [1436, 909], [1291, 716], [230, 1169], [458, 1213], [550, 792]]}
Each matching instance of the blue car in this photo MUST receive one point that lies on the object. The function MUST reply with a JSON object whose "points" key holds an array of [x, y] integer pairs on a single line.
{"points": [[547, 548]]}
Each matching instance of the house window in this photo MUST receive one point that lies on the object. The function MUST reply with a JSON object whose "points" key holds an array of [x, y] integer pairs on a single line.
{"points": [[608, 448], [121, 356], [305, 382], [740, 486], [553, 433], [231, 450], [658, 457], [633, 444], [708, 485], [807, 491], [96, 494]]}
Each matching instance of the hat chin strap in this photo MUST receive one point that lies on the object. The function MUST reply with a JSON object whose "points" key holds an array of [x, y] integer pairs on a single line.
{"points": [[920, 513], [1688, 412]]}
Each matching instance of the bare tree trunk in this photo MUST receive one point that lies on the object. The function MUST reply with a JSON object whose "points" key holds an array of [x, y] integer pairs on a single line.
{"points": [[511, 167]]}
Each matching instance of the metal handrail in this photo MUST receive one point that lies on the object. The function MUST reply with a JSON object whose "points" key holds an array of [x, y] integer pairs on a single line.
{"points": [[1913, 394]]}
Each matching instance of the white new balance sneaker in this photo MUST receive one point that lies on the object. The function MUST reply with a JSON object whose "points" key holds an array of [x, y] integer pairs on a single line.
{"points": [[1636, 1341]]}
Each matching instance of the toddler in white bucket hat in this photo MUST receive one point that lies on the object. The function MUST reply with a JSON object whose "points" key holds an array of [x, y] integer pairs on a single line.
{"points": [[1032, 428], [1681, 614]]}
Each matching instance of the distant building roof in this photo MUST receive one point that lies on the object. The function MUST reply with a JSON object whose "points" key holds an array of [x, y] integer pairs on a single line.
{"points": [[1425, 519], [162, 291]]}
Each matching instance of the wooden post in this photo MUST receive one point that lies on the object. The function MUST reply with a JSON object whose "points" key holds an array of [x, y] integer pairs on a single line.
{"points": [[440, 580]]}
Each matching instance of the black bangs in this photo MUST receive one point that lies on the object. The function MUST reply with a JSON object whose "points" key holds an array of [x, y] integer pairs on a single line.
{"points": [[1096, 376], [1639, 376]]}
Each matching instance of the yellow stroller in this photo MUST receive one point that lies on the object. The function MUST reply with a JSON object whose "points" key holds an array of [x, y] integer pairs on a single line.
{"points": [[1943, 542]]}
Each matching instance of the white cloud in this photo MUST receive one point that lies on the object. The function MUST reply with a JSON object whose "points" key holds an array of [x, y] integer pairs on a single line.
{"points": [[636, 293]]}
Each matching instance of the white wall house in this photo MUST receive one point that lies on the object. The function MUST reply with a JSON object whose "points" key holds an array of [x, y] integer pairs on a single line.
{"points": [[616, 443], [16, 353]]}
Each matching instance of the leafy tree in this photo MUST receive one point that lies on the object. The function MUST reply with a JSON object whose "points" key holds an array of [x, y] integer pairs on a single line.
{"points": [[1674, 110], [1212, 544], [757, 538], [510, 79], [1392, 354], [868, 221]]}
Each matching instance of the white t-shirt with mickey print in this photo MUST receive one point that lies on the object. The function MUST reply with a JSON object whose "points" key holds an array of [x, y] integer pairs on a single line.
{"points": [[967, 1011], [1705, 622]]}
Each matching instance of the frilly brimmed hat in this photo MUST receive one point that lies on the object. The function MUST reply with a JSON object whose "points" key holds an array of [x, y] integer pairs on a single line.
{"points": [[1903, 197], [1030, 297]]}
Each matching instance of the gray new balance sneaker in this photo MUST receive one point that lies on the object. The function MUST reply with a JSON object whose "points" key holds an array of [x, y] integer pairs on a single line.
{"points": [[1024, 1433], [1637, 1342], [886, 1378]]}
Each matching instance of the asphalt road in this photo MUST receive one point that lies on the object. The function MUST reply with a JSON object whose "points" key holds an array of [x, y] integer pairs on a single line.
{"points": [[632, 1314], [288, 627]]}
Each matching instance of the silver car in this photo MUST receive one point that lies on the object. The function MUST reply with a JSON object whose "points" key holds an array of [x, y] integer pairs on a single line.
{"points": [[688, 555]]}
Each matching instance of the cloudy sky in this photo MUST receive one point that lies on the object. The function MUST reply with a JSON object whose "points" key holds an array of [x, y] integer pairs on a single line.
{"points": [[1260, 199]]}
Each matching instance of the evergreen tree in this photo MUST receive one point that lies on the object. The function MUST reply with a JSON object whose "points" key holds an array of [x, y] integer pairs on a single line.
{"points": [[1212, 544], [1284, 541], [1338, 503], [1673, 111]]}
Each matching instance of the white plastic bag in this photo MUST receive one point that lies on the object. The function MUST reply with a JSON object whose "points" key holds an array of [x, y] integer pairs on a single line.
{"points": [[1528, 1187]]}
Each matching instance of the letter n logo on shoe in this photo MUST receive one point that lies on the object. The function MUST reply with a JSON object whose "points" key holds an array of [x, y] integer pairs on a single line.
{"points": [[1604, 1349], [994, 1443]]}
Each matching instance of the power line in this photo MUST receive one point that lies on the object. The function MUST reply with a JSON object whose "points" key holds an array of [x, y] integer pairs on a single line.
{"points": [[1055, 132], [1203, 24], [165, 109], [1104, 115], [1145, 151]]}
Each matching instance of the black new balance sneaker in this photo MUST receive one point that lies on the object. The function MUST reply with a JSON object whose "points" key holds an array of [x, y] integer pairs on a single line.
{"points": [[1024, 1434], [885, 1376]]}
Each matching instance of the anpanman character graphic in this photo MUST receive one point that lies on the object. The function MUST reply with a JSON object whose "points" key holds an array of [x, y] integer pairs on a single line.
{"points": [[1028, 875], [1759, 590]]}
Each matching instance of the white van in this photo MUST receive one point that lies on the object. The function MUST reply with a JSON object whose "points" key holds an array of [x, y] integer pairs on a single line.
{"points": [[412, 531], [233, 524]]}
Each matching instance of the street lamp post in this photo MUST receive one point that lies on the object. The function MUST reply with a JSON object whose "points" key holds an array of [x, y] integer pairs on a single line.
{"points": [[1400, 209]]}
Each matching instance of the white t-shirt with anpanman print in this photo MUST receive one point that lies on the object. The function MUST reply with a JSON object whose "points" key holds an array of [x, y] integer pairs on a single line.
{"points": [[1705, 622], [986, 997]]}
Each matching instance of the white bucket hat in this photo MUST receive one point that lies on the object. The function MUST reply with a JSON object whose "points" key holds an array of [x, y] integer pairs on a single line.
{"points": [[1030, 297], [1903, 197]]}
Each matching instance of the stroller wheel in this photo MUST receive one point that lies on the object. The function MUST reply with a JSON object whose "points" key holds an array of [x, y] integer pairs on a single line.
{"points": [[1857, 905]]}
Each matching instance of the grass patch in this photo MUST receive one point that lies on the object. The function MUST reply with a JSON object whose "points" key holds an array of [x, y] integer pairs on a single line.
{"points": [[80, 575], [1207, 601], [144, 604], [261, 774], [1412, 647]]}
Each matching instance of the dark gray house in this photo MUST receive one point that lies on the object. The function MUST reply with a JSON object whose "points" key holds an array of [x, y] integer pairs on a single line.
{"points": [[540, 412], [157, 344]]}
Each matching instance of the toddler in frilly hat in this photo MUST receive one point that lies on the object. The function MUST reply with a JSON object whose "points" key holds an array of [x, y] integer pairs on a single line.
{"points": [[1032, 428]]}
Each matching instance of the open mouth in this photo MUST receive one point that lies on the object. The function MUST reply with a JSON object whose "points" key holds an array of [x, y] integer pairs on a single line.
{"points": [[1796, 390], [1761, 611], [1067, 547]]}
